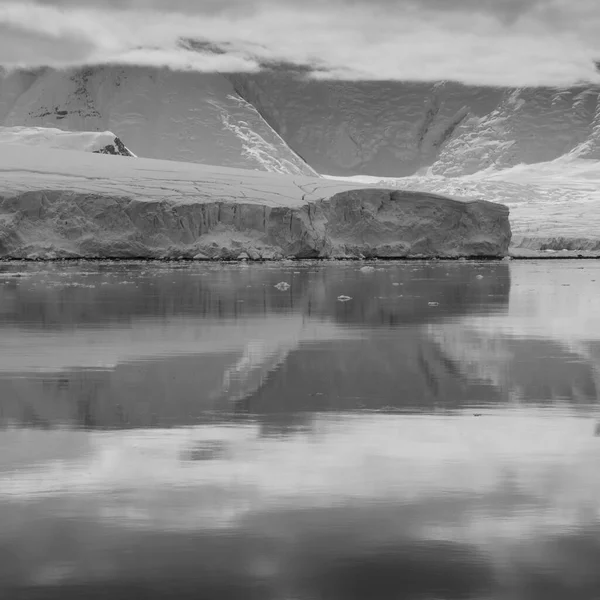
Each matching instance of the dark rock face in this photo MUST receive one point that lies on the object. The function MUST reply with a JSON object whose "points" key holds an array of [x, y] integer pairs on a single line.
{"points": [[370, 223], [116, 149]]}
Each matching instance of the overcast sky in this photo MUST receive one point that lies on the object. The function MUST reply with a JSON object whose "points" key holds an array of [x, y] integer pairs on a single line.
{"points": [[496, 42]]}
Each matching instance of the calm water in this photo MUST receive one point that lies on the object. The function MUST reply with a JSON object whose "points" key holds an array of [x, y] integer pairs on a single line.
{"points": [[300, 431]]}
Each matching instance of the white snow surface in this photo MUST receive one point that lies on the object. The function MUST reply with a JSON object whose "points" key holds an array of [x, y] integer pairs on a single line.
{"points": [[191, 117], [24, 168], [50, 137]]}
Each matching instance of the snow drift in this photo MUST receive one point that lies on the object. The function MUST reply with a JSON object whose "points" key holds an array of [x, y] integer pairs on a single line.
{"points": [[56, 203], [104, 142]]}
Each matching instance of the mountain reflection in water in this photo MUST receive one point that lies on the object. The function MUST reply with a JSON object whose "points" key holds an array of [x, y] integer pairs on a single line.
{"points": [[194, 431]]}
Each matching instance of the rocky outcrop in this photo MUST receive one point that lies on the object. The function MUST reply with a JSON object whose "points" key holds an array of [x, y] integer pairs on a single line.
{"points": [[350, 224], [117, 148]]}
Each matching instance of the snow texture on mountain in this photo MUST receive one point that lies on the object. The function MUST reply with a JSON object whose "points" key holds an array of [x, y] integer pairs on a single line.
{"points": [[63, 203], [270, 120], [183, 116], [103, 142], [396, 129]]}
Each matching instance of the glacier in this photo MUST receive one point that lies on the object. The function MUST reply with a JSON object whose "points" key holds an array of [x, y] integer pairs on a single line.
{"points": [[65, 203]]}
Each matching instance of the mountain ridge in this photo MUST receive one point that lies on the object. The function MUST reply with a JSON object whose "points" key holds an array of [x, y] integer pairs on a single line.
{"points": [[281, 121], [399, 129]]}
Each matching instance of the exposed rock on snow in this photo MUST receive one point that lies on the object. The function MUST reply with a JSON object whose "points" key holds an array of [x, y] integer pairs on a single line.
{"points": [[104, 142], [193, 117], [58, 203], [117, 148]]}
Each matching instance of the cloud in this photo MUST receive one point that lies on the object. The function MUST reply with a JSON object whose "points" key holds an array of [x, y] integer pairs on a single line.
{"points": [[490, 42]]}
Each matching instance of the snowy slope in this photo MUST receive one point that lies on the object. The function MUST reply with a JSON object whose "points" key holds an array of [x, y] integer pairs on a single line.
{"points": [[161, 114], [395, 129], [24, 168], [102, 142]]}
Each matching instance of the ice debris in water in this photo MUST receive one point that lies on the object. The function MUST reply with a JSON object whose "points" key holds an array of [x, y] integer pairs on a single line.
{"points": [[344, 298], [282, 286]]}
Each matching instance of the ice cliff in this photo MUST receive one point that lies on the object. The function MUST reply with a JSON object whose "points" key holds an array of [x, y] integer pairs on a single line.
{"points": [[56, 203]]}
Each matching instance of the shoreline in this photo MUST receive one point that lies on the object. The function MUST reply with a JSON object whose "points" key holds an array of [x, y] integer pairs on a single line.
{"points": [[140, 259]]}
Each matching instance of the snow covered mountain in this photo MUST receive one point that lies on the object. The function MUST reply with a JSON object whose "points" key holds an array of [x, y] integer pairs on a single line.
{"points": [[187, 117], [396, 129], [527, 148], [277, 120]]}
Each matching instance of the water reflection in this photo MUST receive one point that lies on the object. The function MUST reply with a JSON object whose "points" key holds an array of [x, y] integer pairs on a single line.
{"points": [[196, 431], [142, 346]]}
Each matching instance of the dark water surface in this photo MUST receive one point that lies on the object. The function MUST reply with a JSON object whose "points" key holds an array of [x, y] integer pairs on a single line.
{"points": [[366, 432]]}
